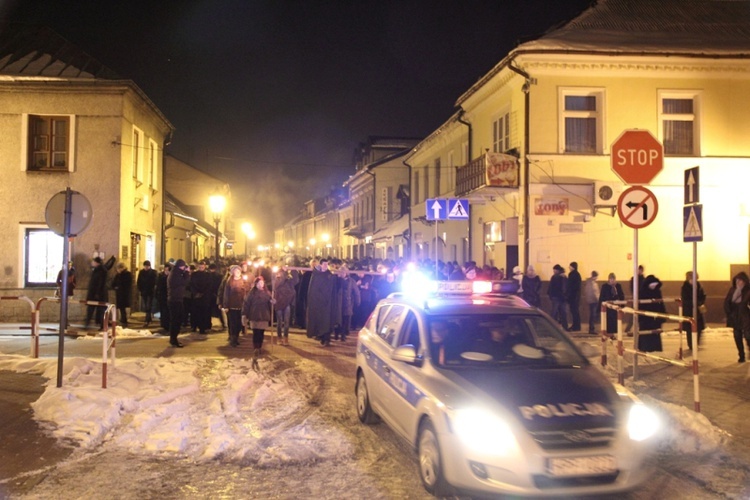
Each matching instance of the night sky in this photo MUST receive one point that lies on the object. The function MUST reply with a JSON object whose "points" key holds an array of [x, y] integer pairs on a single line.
{"points": [[274, 96]]}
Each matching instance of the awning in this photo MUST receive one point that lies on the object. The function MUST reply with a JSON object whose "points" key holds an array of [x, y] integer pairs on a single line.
{"points": [[393, 228]]}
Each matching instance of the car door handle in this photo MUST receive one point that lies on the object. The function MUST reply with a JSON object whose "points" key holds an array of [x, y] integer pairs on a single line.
{"points": [[387, 369]]}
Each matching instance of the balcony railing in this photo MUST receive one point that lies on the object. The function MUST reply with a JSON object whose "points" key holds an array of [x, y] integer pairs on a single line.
{"points": [[495, 170]]}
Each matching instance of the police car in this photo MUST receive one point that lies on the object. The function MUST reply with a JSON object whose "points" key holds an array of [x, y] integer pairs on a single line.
{"points": [[495, 397]]}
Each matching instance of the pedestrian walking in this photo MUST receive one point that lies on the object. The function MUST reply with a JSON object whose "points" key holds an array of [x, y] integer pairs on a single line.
{"points": [[320, 304], [738, 315], [97, 292], [686, 294], [146, 284], [284, 293], [350, 299], [556, 291], [591, 295], [649, 327], [162, 296], [177, 283], [531, 287], [573, 297], [611, 290], [214, 297], [200, 286], [256, 312], [123, 286], [233, 298], [639, 284]]}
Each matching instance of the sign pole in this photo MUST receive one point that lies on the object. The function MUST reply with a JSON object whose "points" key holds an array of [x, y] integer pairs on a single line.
{"points": [[635, 301], [64, 284], [694, 334]]}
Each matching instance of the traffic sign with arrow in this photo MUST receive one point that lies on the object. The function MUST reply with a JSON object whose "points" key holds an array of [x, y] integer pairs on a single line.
{"points": [[692, 185], [637, 207]]}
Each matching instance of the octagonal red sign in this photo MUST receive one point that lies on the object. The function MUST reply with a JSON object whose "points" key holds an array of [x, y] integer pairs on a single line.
{"points": [[637, 156]]}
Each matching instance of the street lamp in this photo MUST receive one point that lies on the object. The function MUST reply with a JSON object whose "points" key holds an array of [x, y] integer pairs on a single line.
{"points": [[312, 244], [247, 228], [217, 203]]}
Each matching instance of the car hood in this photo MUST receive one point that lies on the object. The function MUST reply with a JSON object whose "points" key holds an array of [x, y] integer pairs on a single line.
{"points": [[540, 398]]}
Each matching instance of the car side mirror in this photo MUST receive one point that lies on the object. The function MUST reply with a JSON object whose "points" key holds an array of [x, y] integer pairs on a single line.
{"points": [[407, 353]]}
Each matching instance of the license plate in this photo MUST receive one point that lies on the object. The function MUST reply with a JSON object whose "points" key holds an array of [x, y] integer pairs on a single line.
{"points": [[581, 466]]}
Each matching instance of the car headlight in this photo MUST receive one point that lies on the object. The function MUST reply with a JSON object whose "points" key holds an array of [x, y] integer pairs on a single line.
{"points": [[484, 432], [643, 422]]}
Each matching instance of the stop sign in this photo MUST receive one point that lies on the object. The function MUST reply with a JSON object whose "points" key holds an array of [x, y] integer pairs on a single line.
{"points": [[637, 156]]}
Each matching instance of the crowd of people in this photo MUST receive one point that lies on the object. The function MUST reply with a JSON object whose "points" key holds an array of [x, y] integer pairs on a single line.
{"points": [[330, 297]]}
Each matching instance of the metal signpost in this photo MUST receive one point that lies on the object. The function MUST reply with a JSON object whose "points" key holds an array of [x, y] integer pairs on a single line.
{"points": [[68, 214], [637, 157], [445, 209], [692, 231]]}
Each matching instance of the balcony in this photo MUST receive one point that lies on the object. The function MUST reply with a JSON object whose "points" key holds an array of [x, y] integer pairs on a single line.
{"points": [[491, 170]]}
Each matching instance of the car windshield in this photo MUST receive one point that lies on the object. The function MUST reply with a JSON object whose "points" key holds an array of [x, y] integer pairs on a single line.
{"points": [[499, 340]]}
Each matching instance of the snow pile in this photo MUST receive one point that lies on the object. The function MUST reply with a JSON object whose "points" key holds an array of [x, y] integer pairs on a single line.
{"points": [[196, 408], [121, 333]]}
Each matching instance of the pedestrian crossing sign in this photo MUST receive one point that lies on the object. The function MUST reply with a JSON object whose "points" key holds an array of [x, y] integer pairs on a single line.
{"points": [[458, 208], [692, 218]]}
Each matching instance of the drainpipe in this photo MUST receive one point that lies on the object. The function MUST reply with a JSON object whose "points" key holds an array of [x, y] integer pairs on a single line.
{"points": [[526, 176], [374, 205], [470, 134], [408, 253]]}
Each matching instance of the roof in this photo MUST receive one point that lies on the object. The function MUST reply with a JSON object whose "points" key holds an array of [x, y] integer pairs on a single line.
{"points": [[28, 50], [692, 27], [689, 28]]}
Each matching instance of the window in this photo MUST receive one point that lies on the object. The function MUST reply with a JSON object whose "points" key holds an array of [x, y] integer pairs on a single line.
{"points": [[137, 154], [389, 327], [48, 144], [152, 164], [582, 121], [43, 257], [501, 134], [410, 332], [678, 114], [437, 177], [451, 170], [416, 188], [426, 173]]}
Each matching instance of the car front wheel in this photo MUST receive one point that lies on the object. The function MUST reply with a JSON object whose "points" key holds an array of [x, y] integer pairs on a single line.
{"points": [[364, 410], [430, 461]]}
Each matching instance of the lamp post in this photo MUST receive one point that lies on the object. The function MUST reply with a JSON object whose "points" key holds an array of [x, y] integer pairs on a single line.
{"points": [[247, 228], [217, 203]]}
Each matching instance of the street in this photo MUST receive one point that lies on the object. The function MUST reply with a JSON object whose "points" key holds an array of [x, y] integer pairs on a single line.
{"points": [[350, 460]]}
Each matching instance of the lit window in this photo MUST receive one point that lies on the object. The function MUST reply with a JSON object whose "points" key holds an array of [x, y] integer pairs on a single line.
{"points": [[48, 143], [44, 257], [437, 177], [581, 121], [501, 134], [153, 164], [679, 123], [137, 154]]}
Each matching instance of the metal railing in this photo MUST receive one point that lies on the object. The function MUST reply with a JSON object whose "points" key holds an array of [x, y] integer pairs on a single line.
{"points": [[621, 350]]}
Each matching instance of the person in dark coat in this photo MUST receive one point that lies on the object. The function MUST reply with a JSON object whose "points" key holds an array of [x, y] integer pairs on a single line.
{"points": [[649, 338], [531, 286], [573, 297], [146, 284], [350, 299], [97, 292], [686, 294], [368, 301], [611, 290], [232, 299], [256, 311], [556, 291], [161, 297], [284, 294], [71, 280], [123, 286], [200, 285], [320, 303], [177, 283], [738, 316], [302, 291], [213, 296]]}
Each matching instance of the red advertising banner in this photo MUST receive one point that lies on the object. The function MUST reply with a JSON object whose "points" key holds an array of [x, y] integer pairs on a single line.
{"points": [[502, 170]]}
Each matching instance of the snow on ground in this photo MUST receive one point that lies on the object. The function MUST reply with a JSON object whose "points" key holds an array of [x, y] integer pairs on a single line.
{"points": [[204, 409], [194, 408]]}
